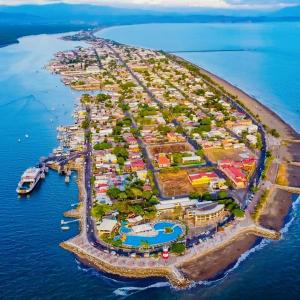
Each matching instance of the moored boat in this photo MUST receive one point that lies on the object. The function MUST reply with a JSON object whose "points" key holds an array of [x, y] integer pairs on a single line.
{"points": [[29, 180]]}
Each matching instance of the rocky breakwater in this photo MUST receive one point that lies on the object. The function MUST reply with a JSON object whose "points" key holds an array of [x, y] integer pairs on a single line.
{"points": [[126, 266]]}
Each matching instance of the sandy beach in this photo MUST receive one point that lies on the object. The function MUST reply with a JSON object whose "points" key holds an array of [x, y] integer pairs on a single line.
{"points": [[214, 264], [276, 210]]}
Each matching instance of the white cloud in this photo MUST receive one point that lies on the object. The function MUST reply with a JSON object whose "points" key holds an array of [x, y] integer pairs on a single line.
{"points": [[167, 3]]}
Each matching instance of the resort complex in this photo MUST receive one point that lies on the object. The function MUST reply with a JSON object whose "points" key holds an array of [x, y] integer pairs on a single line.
{"points": [[170, 164]]}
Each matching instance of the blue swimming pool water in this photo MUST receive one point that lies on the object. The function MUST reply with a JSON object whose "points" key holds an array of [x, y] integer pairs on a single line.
{"points": [[161, 238]]}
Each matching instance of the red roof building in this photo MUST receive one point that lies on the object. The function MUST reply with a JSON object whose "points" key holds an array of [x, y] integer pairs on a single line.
{"points": [[163, 161], [137, 164]]}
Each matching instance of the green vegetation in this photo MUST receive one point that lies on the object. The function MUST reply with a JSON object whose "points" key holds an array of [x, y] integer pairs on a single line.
{"points": [[222, 195], [121, 153], [268, 163], [233, 207], [145, 245], [195, 195], [275, 133], [102, 97], [238, 213], [102, 146], [178, 248], [99, 210], [204, 126], [168, 230], [260, 205], [85, 124]]}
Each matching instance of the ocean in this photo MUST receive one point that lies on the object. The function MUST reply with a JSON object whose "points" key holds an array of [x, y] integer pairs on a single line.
{"points": [[33, 101]]}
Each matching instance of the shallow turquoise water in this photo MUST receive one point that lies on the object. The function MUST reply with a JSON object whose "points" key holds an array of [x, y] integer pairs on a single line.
{"points": [[32, 265]]}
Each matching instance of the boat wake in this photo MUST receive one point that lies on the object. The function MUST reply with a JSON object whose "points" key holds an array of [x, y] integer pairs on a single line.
{"points": [[130, 290]]}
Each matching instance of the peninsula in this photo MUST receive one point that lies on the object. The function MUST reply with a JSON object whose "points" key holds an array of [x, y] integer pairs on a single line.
{"points": [[179, 172]]}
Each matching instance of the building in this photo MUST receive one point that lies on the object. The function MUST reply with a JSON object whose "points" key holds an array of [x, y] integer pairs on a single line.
{"points": [[163, 161], [202, 178], [171, 205], [107, 226], [205, 213], [137, 165], [191, 159], [234, 173]]}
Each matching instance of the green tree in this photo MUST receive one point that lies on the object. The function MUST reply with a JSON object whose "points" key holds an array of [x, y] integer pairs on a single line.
{"points": [[222, 195], [206, 196], [120, 151], [136, 192], [85, 124], [178, 248], [113, 192], [194, 195], [122, 196], [147, 195], [99, 210], [102, 146], [238, 213]]}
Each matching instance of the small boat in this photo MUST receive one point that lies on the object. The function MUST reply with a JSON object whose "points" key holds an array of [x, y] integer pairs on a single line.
{"points": [[65, 228], [19, 140], [27, 136]]}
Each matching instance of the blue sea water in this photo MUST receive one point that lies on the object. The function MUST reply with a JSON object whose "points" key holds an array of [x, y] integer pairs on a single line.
{"points": [[32, 265]]}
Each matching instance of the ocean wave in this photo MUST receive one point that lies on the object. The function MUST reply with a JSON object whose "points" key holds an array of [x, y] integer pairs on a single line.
{"points": [[94, 272], [125, 292], [293, 215]]}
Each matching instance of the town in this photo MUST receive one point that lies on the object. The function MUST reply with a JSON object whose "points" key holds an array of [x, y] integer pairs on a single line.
{"points": [[170, 161]]}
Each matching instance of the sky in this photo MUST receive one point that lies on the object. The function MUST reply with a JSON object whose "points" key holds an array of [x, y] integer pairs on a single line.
{"points": [[230, 4]]}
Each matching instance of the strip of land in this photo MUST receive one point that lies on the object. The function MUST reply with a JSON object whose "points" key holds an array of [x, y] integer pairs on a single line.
{"points": [[168, 136]]}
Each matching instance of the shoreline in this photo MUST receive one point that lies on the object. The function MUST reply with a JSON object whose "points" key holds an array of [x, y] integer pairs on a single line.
{"points": [[219, 257], [266, 114]]}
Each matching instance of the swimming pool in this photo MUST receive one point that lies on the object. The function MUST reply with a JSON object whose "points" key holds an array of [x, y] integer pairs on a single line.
{"points": [[161, 236]]}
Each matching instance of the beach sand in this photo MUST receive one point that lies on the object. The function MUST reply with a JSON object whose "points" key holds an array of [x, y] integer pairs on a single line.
{"points": [[214, 264], [276, 210]]}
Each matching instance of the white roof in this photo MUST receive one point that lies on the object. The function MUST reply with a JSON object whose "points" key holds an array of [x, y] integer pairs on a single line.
{"points": [[107, 225], [141, 228], [135, 219], [31, 172], [169, 204], [215, 209]]}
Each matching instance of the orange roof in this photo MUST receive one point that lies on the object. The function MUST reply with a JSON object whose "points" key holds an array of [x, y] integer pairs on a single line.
{"points": [[163, 160], [203, 174]]}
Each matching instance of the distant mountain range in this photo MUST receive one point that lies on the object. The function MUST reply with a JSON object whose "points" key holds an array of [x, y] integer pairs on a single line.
{"points": [[104, 15], [17, 21]]}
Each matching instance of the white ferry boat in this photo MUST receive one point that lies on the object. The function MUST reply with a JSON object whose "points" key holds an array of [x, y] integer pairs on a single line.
{"points": [[29, 180]]}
